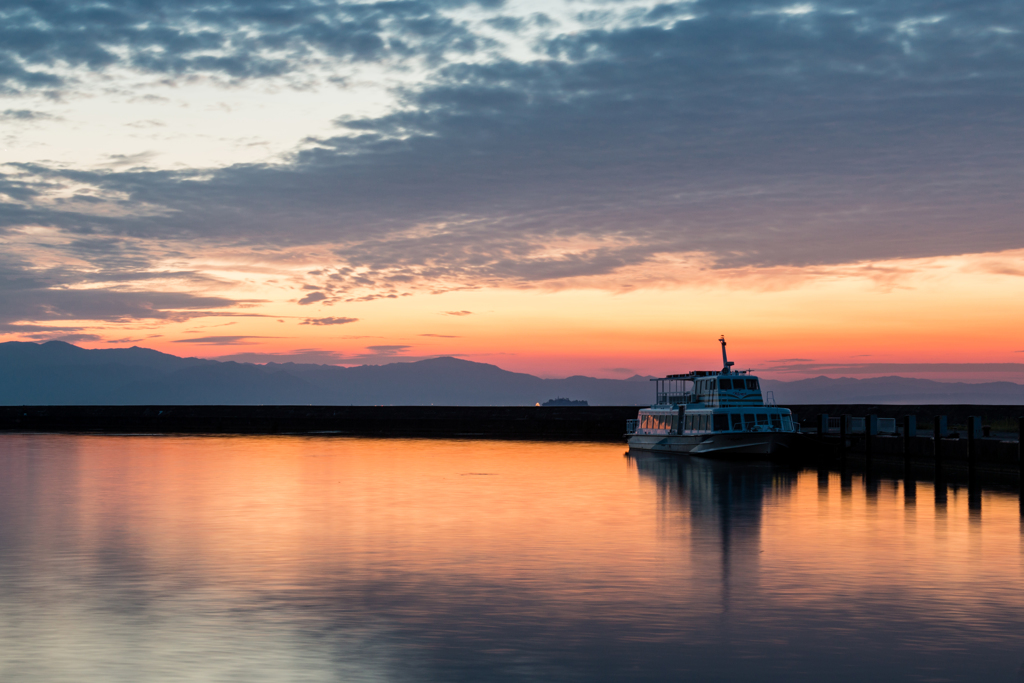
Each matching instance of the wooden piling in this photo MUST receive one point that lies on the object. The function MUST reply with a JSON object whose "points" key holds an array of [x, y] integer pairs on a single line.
{"points": [[1020, 461], [940, 472], [909, 483], [909, 434], [844, 423], [870, 427], [973, 488], [972, 436]]}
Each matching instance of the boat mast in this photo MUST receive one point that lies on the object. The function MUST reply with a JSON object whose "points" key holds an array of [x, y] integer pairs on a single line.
{"points": [[725, 359]]}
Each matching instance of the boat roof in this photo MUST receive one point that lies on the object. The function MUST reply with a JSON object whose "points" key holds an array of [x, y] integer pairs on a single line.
{"points": [[700, 374]]}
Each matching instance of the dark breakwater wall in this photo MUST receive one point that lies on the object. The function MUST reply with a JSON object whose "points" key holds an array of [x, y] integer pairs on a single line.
{"points": [[569, 423]]}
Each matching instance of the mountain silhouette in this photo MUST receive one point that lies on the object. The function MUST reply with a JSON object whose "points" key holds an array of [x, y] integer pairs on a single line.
{"points": [[58, 373]]}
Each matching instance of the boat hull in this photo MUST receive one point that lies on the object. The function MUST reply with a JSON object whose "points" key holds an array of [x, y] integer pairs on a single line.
{"points": [[734, 445]]}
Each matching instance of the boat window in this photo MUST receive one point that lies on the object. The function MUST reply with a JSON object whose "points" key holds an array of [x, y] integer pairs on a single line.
{"points": [[762, 418], [776, 422], [737, 422], [675, 423], [705, 423], [725, 384], [688, 422], [787, 423], [751, 385], [721, 422]]}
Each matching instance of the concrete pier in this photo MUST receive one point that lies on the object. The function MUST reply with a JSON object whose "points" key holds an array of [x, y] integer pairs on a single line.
{"points": [[569, 423]]}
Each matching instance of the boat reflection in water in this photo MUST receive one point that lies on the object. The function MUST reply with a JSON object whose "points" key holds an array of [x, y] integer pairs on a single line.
{"points": [[723, 505]]}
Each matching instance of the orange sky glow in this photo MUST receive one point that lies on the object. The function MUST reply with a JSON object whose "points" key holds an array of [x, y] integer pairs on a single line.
{"points": [[955, 310]]}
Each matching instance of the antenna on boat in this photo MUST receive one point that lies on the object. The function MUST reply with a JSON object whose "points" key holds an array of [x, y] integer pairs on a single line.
{"points": [[725, 359]]}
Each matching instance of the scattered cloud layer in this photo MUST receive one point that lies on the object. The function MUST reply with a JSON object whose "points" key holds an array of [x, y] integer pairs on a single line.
{"points": [[221, 340], [863, 368], [527, 150], [329, 321], [372, 355], [1007, 371]]}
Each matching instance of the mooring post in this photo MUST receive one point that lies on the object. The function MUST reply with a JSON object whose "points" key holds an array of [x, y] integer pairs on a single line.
{"points": [[973, 488], [870, 429], [973, 429], [822, 424], [1020, 460], [940, 474], [909, 434], [844, 424]]}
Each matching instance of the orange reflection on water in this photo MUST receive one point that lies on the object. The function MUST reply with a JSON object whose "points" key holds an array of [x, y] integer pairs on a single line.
{"points": [[271, 558]]}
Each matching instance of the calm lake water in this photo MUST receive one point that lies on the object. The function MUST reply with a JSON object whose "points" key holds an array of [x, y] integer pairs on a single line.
{"points": [[348, 559]]}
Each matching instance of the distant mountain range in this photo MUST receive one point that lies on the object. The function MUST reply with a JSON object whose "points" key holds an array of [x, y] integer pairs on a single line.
{"points": [[58, 373]]}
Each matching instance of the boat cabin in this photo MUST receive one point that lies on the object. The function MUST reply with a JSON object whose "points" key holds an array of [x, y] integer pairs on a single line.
{"points": [[709, 401]]}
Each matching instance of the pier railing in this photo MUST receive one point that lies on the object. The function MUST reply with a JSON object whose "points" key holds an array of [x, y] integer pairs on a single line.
{"points": [[858, 425]]}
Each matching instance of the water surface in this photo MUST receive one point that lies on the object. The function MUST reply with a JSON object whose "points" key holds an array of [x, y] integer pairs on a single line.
{"points": [[351, 559]]}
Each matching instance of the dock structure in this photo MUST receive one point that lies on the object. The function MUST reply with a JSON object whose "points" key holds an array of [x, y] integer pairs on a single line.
{"points": [[964, 450], [972, 447]]}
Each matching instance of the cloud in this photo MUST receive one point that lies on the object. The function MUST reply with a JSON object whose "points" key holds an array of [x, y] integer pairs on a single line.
{"points": [[372, 355], [388, 349], [895, 368], [75, 337], [226, 39], [441, 336], [313, 356], [744, 136], [312, 298], [24, 115], [129, 160], [221, 340], [458, 313], [329, 321], [112, 288], [623, 371]]}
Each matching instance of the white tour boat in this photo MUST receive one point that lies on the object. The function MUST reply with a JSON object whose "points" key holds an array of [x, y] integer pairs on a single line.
{"points": [[713, 413]]}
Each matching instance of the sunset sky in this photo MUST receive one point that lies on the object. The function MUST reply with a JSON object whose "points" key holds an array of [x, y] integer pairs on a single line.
{"points": [[583, 187]]}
